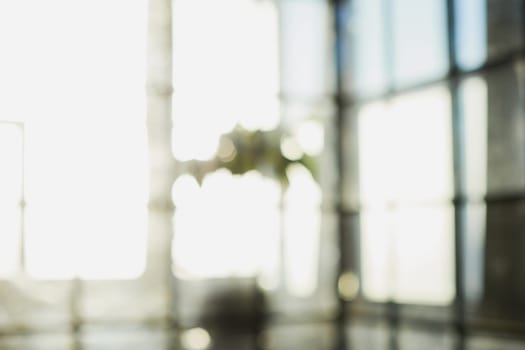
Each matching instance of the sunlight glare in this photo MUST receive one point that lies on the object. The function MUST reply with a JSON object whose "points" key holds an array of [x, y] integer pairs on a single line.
{"points": [[310, 136], [228, 228], [10, 195], [302, 226], [229, 78], [81, 98], [185, 191], [392, 171], [388, 134], [408, 255]]}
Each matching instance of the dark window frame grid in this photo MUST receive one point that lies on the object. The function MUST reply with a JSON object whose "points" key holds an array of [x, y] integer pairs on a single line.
{"points": [[391, 312]]}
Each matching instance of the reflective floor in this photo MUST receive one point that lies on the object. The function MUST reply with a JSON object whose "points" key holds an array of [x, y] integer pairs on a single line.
{"points": [[360, 336]]}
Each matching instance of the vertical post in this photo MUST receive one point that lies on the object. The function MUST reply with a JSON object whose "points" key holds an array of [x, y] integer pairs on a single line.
{"points": [[338, 7], [283, 96], [392, 307], [161, 163], [459, 212], [459, 181]]}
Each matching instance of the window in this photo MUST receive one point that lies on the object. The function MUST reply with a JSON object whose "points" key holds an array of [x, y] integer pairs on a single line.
{"points": [[74, 93], [244, 217], [11, 185], [431, 160], [330, 173]]}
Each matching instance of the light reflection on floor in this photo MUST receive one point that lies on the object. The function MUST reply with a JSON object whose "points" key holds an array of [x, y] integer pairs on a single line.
{"points": [[314, 336]]}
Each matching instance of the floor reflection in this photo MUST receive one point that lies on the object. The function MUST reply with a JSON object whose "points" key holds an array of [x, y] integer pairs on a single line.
{"points": [[315, 336]]}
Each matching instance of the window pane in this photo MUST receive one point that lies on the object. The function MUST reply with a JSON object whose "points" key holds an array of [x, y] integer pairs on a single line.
{"points": [[405, 149], [228, 227], [225, 71], [302, 228], [471, 33], [11, 163], [493, 122], [11, 168], [419, 37], [398, 43], [376, 237], [424, 255], [305, 48], [487, 30], [495, 267], [407, 255], [505, 130], [84, 114], [494, 139], [9, 240], [474, 251], [505, 27], [364, 48]]}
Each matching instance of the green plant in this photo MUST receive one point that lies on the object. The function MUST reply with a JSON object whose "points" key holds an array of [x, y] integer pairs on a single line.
{"points": [[242, 150]]}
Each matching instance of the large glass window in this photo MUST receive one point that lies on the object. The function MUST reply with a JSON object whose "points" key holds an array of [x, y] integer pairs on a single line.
{"points": [[76, 92], [218, 174]]}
